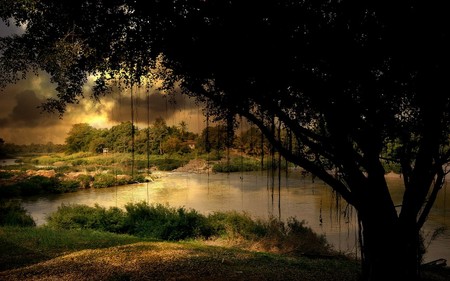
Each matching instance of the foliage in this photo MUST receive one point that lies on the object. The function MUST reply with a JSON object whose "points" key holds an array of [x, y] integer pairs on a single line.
{"points": [[81, 217], [158, 139], [84, 180], [11, 149], [79, 137], [237, 164], [36, 185], [168, 164], [216, 138], [163, 222], [22, 246], [68, 186], [234, 225], [105, 180], [12, 213]]}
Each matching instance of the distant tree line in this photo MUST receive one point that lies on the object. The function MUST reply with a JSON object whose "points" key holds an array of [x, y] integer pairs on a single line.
{"points": [[159, 138], [10, 149]]}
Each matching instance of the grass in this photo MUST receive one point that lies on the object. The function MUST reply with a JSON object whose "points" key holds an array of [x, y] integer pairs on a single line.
{"points": [[21, 246], [44, 254]]}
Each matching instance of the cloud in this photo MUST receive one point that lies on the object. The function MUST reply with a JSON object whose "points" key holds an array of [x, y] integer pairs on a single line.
{"points": [[22, 122], [26, 114], [148, 108]]}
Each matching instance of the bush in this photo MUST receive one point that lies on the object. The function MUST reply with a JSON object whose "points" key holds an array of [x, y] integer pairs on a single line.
{"points": [[165, 223], [162, 222], [304, 240], [36, 185], [12, 213], [236, 225], [67, 186], [237, 164], [79, 162], [104, 180], [84, 217], [84, 180], [64, 169], [168, 164]]}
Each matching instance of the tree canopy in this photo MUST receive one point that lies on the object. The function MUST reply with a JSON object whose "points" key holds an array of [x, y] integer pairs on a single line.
{"points": [[345, 79]]}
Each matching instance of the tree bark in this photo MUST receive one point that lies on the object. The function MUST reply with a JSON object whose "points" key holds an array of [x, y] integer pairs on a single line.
{"points": [[389, 244]]}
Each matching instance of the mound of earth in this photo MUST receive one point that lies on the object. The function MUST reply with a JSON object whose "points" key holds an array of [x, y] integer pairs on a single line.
{"points": [[195, 166]]}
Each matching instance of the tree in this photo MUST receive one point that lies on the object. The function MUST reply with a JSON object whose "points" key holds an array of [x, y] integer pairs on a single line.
{"points": [[171, 145], [216, 138], [183, 130], [158, 134], [79, 137], [119, 137], [253, 143], [345, 79]]}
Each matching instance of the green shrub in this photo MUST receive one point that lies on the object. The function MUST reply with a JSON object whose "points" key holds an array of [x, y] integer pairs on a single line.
{"points": [[104, 180], [79, 162], [138, 178], [237, 164], [168, 164], [34, 185], [391, 167], [76, 216], [64, 169], [233, 224], [67, 186], [306, 241], [84, 181], [12, 213], [162, 222]]}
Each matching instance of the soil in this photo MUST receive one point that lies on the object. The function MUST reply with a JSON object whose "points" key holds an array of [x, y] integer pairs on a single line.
{"points": [[195, 166]]}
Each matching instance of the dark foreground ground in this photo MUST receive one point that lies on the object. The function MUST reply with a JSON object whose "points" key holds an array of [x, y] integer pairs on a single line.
{"points": [[187, 261]]}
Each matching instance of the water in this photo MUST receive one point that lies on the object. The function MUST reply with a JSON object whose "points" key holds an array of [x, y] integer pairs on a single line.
{"points": [[298, 197]]}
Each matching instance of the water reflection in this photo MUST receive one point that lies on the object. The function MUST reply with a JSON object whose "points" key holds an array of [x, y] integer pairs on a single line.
{"points": [[293, 196]]}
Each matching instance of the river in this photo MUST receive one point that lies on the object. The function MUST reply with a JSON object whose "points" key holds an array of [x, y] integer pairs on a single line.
{"points": [[257, 194]]}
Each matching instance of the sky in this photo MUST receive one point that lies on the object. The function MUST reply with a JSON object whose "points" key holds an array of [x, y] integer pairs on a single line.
{"points": [[22, 122]]}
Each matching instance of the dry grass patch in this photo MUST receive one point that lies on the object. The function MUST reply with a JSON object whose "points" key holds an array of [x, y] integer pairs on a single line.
{"points": [[176, 261]]}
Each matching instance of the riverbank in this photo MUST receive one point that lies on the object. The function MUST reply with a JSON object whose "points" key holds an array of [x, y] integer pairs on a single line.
{"points": [[146, 260], [89, 255]]}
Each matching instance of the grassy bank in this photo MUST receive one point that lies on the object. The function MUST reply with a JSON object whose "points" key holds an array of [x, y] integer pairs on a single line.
{"points": [[60, 173], [159, 242], [29, 253], [78, 243], [45, 254]]}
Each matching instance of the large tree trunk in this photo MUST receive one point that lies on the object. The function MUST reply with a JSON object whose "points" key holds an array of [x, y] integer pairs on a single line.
{"points": [[389, 245], [390, 252]]}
